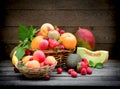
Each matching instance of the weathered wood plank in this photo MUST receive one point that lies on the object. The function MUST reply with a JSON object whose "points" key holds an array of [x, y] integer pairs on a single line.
{"points": [[59, 83], [60, 4], [62, 18]]}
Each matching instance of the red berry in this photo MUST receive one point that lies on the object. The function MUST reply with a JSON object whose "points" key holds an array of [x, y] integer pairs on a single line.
{"points": [[74, 74], [62, 31], [83, 64], [59, 70], [83, 71], [70, 70], [47, 77], [89, 70], [86, 61], [28, 52], [16, 70], [57, 29]]}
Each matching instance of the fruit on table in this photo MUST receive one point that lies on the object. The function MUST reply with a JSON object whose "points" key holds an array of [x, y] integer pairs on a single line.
{"points": [[72, 60], [99, 56], [68, 40], [85, 38], [45, 28], [14, 59], [59, 70], [33, 64], [39, 56], [35, 42], [54, 34]]}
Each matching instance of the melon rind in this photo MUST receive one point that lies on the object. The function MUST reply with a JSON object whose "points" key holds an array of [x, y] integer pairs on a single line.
{"points": [[99, 56]]}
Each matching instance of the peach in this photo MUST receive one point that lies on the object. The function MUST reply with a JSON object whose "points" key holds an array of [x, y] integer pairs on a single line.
{"points": [[54, 34], [25, 59], [50, 60], [33, 64], [35, 42], [44, 44], [39, 56], [45, 28]]}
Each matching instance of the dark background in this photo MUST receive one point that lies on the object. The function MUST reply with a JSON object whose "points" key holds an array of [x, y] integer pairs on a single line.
{"points": [[102, 17]]}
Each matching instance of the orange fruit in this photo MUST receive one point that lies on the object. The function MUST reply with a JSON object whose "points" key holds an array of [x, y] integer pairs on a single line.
{"points": [[68, 40], [35, 42]]}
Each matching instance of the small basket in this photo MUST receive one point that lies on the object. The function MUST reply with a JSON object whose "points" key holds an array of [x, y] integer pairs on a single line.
{"points": [[37, 72]]}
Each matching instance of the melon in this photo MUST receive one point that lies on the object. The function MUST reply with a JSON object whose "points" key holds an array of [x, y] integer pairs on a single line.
{"points": [[99, 56]]}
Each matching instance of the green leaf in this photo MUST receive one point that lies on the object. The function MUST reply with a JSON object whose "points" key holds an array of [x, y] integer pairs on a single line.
{"points": [[99, 65], [92, 64], [23, 32], [20, 52]]}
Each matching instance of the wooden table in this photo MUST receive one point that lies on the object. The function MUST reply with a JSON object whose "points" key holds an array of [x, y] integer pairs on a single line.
{"points": [[108, 76]]}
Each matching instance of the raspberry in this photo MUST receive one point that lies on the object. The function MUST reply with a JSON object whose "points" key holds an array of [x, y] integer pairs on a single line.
{"points": [[47, 77], [28, 52], [83, 64], [74, 74], [83, 71], [59, 70], [70, 70], [16, 70], [86, 61], [89, 70]]}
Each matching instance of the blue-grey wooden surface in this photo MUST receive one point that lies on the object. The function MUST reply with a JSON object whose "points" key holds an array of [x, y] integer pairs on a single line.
{"points": [[108, 76]]}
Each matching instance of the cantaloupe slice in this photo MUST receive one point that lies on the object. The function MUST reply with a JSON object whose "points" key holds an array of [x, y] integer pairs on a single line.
{"points": [[99, 56]]}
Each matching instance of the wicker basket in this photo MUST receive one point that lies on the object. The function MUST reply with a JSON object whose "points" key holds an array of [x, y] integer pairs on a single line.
{"points": [[60, 56], [36, 72]]}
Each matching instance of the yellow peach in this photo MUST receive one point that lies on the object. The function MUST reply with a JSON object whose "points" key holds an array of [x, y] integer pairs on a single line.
{"points": [[50, 60], [25, 59], [45, 28], [33, 64]]}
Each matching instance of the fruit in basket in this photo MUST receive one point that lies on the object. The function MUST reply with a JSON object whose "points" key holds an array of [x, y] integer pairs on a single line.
{"points": [[85, 38], [50, 60], [14, 58], [43, 45], [39, 56], [45, 28], [33, 64], [53, 43], [35, 42], [53, 34], [68, 40], [94, 57], [72, 60], [25, 59]]}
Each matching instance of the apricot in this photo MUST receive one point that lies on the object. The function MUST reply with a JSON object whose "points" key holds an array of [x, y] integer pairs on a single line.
{"points": [[35, 42], [33, 64], [68, 40]]}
